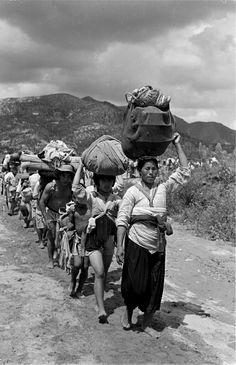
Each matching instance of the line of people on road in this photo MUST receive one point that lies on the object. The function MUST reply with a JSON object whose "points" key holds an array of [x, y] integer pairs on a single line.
{"points": [[85, 225]]}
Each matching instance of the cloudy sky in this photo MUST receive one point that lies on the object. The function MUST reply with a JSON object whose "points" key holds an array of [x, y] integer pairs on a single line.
{"points": [[104, 48]]}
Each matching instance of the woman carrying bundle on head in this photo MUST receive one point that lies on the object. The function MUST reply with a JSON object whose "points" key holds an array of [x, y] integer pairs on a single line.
{"points": [[100, 241], [141, 223]]}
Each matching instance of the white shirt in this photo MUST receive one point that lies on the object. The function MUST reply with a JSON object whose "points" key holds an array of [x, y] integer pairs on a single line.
{"points": [[11, 180], [135, 202]]}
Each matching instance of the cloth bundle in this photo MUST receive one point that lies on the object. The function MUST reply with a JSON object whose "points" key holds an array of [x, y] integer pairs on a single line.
{"points": [[105, 156], [148, 123], [54, 154], [147, 96]]}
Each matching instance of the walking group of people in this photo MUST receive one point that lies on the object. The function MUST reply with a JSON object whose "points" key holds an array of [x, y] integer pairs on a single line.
{"points": [[86, 224]]}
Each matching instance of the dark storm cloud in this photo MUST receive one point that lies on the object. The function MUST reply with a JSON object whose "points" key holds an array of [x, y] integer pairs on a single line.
{"points": [[106, 48], [26, 66], [95, 24]]}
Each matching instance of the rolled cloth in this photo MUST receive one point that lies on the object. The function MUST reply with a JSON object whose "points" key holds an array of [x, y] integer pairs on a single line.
{"points": [[37, 166], [30, 158], [34, 160]]}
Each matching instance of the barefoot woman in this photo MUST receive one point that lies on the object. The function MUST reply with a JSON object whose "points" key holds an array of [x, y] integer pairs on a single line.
{"points": [[141, 223]]}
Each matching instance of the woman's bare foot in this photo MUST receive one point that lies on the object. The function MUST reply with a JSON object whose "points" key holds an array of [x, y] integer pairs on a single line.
{"points": [[55, 255], [41, 245], [50, 265], [126, 319]]}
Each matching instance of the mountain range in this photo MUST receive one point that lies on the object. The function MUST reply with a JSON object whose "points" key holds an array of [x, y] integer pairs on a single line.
{"points": [[29, 123]]}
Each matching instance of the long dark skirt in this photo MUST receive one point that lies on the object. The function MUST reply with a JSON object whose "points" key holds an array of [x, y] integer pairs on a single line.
{"points": [[142, 278]]}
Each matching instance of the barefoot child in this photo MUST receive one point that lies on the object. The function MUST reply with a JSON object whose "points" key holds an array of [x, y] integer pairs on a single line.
{"points": [[75, 222]]}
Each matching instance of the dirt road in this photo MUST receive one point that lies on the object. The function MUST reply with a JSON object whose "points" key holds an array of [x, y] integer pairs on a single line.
{"points": [[40, 324]]}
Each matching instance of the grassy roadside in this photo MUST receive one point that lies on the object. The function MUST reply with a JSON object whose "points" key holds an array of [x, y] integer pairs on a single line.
{"points": [[207, 203]]}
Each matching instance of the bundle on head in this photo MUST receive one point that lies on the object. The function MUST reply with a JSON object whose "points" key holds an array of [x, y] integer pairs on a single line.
{"points": [[105, 156], [148, 125]]}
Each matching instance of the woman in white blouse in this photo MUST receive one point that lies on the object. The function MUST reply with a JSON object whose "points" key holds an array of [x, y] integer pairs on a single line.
{"points": [[141, 223]]}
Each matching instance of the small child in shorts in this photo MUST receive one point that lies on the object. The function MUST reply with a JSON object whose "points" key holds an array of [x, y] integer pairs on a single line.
{"points": [[77, 218]]}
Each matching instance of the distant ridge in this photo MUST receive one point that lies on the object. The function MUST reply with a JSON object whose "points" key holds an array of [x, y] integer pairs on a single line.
{"points": [[31, 122], [208, 132]]}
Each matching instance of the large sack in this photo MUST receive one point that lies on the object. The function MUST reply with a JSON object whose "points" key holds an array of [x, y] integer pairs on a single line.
{"points": [[148, 124], [105, 156]]}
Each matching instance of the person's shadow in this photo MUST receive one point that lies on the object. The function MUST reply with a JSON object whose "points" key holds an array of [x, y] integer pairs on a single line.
{"points": [[88, 286], [113, 285], [172, 314]]}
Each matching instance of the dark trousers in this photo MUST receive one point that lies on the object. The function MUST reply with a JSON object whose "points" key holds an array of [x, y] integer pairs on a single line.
{"points": [[142, 278]]}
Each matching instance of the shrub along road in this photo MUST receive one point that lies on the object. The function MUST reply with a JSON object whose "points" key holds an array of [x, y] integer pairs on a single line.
{"points": [[40, 324]]}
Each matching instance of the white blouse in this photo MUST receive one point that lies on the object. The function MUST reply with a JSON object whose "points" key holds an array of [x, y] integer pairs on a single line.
{"points": [[135, 202]]}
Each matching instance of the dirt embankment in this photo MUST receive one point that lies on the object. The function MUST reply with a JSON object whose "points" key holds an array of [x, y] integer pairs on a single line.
{"points": [[40, 324]]}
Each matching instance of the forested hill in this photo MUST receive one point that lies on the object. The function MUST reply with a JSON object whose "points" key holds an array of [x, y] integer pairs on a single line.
{"points": [[29, 123]]}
